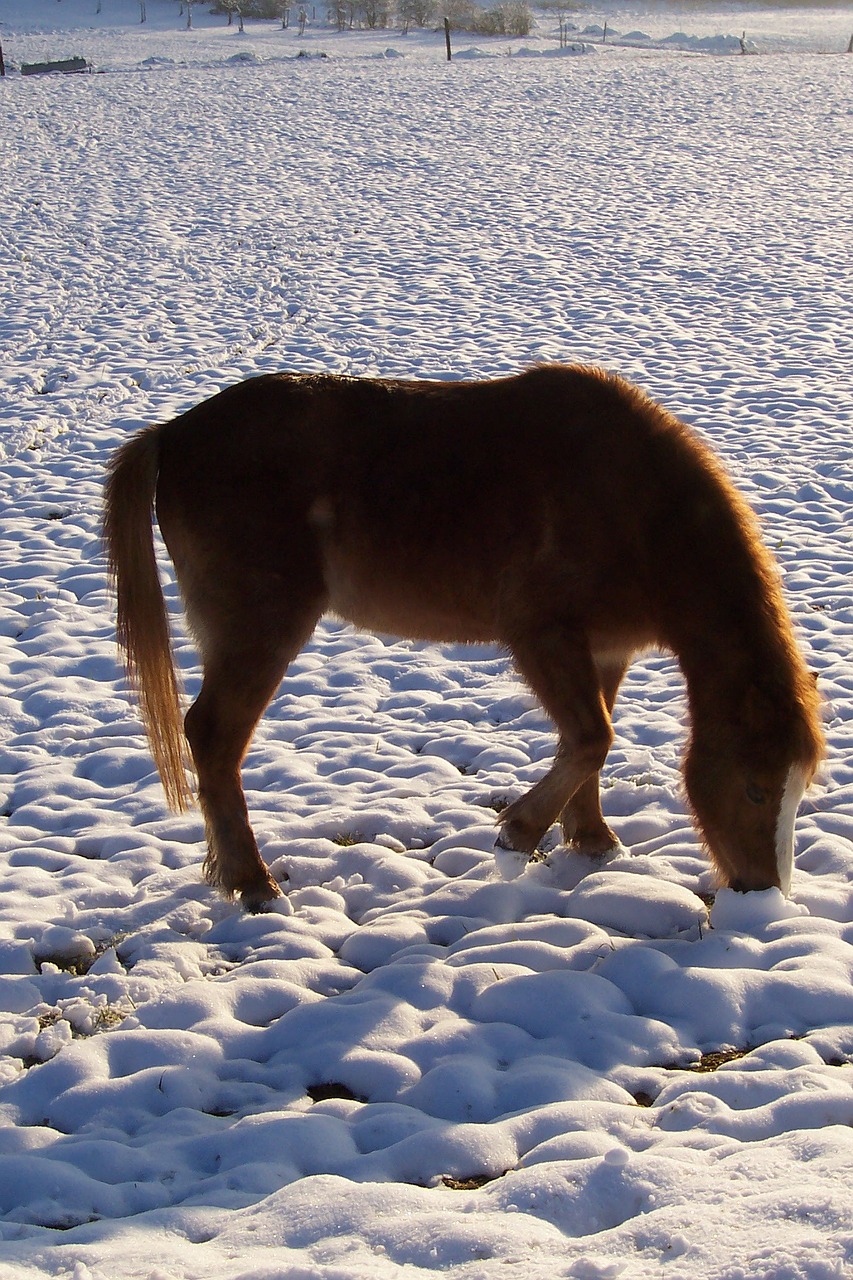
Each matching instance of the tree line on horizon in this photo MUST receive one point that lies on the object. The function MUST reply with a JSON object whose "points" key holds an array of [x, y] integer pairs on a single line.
{"points": [[504, 18]]}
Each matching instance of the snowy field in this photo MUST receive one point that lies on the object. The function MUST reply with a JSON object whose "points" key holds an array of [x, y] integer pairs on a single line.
{"points": [[412, 1067]]}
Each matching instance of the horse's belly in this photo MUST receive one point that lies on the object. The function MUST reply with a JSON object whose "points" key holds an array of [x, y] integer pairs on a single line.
{"points": [[382, 599], [415, 619], [470, 586]]}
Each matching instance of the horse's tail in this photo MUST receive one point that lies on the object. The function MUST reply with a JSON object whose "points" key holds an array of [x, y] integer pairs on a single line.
{"points": [[142, 623]]}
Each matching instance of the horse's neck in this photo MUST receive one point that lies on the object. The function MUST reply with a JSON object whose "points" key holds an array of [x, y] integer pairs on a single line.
{"points": [[731, 640]]}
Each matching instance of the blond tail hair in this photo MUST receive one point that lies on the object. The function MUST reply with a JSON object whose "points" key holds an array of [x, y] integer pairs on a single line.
{"points": [[142, 624]]}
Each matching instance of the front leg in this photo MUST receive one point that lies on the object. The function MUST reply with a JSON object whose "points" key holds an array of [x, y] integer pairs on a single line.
{"points": [[582, 822], [556, 662]]}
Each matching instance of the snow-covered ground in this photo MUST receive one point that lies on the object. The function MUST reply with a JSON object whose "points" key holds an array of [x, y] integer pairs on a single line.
{"points": [[412, 1067]]}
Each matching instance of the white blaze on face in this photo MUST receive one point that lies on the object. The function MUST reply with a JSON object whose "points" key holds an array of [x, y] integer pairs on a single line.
{"points": [[795, 786]]}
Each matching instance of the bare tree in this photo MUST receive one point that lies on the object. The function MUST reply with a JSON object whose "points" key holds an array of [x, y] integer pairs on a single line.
{"points": [[374, 13], [417, 13]]}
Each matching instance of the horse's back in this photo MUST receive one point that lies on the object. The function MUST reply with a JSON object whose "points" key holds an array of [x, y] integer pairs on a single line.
{"points": [[441, 509], [469, 510]]}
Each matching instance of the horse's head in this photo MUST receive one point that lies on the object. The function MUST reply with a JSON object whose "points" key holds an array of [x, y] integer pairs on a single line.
{"points": [[746, 812], [750, 759]]}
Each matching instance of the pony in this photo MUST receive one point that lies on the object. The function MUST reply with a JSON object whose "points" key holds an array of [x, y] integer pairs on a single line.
{"points": [[560, 512]]}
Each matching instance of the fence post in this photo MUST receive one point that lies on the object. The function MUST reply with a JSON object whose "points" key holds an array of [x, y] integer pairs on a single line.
{"points": [[447, 38], [2, 63]]}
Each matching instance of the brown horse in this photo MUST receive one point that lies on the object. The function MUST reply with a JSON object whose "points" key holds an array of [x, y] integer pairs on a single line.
{"points": [[560, 512]]}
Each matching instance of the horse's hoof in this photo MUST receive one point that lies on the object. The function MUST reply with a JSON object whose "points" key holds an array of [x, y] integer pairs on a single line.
{"points": [[603, 847], [260, 897], [509, 863]]}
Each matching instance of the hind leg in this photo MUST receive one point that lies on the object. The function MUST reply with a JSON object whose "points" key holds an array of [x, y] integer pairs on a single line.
{"points": [[557, 663], [240, 679], [584, 828]]}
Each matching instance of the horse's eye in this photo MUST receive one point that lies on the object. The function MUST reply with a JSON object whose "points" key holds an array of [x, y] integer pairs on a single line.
{"points": [[755, 793]]}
